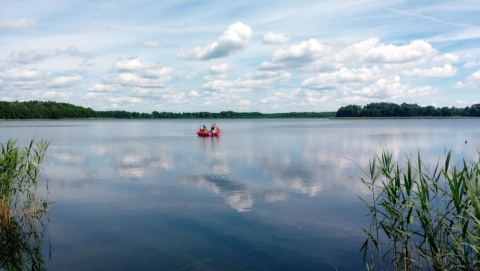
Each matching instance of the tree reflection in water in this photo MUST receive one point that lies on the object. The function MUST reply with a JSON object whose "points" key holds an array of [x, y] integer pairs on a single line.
{"points": [[23, 214]]}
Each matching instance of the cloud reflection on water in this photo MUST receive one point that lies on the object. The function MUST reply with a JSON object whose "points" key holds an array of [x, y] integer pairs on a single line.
{"points": [[236, 194], [311, 162]]}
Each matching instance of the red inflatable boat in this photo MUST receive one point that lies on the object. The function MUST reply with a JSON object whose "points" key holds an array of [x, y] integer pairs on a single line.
{"points": [[200, 132]]}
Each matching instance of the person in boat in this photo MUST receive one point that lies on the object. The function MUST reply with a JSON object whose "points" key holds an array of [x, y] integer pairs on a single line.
{"points": [[213, 127], [204, 128]]}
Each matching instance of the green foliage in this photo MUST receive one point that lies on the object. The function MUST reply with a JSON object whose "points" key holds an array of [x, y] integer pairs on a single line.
{"points": [[422, 217], [382, 110], [22, 213], [43, 110], [53, 110]]}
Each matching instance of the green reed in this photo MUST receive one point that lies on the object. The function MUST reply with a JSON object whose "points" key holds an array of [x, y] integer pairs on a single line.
{"points": [[22, 213], [422, 217]]}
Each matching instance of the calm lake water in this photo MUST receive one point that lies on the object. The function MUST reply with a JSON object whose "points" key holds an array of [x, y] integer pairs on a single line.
{"points": [[266, 195]]}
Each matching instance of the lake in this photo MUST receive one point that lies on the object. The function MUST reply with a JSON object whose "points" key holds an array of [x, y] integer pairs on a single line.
{"points": [[278, 194]]}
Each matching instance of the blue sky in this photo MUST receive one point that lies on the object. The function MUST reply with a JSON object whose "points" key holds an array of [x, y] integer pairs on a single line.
{"points": [[264, 56]]}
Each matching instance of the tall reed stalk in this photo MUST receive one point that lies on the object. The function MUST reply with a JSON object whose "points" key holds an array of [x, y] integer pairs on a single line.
{"points": [[22, 212], [422, 218]]}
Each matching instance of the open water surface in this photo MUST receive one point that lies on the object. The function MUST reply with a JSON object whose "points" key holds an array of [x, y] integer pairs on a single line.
{"points": [[266, 195]]}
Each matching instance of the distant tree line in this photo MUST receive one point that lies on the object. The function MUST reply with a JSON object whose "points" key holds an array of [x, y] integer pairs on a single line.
{"points": [[382, 110], [54, 110], [43, 110]]}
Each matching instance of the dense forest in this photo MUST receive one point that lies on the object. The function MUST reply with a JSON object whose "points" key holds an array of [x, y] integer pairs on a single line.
{"points": [[43, 110], [54, 110], [382, 110]]}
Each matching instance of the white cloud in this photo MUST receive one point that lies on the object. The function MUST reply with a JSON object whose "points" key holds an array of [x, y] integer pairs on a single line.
{"points": [[104, 88], [175, 97], [193, 93], [244, 103], [315, 98], [459, 85], [217, 69], [137, 73], [446, 71], [298, 55], [355, 52], [18, 23], [472, 64], [132, 100], [235, 38], [65, 81], [388, 53], [150, 44], [392, 88], [474, 79], [261, 80], [22, 75], [275, 38], [30, 56], [372, 51], [343, 76], [130, 64], [55, 95]]}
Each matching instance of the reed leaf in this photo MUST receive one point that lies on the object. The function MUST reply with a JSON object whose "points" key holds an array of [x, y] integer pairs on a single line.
{"points": [[428, 217]]}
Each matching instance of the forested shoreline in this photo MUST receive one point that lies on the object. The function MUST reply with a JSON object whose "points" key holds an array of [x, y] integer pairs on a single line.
{"points": [[58, 110], [404, 110]]}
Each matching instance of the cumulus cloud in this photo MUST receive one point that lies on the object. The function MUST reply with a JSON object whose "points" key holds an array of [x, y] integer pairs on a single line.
{"points": [[244, 103], [343, 76], [389, 53], [446, 71], [132, 81], [474, 79], [65, 81], [104, 88], [274, 38], [297, 55], [372, 51], [392, 88], [137, 73], [117, 100], [18, 23], [23, 74], [55, 95], [193, 93], [261, 80], [235, 38], [217, 69], [130, 64]]}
